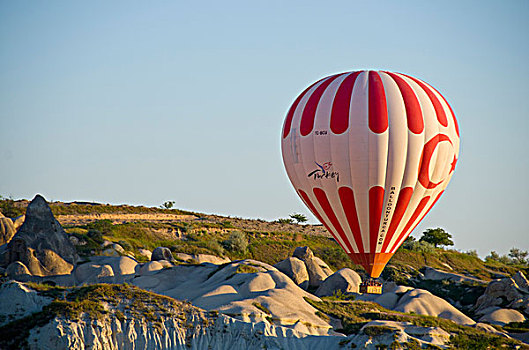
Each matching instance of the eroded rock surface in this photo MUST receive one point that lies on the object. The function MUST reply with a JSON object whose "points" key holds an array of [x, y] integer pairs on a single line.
{"points": [[318, 271], [41, 243], [344, 280], [7, 230], [423, 302], [511, 293], [502, 317], [17, 301], [248, 290], [162, 253], [202, 258], [296, 270]]}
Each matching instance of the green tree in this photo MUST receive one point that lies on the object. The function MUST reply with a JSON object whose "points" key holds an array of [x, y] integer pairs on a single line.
{"points": [[167, 205], [494, 256], [300, 218], [518, 256], [437, 237]]}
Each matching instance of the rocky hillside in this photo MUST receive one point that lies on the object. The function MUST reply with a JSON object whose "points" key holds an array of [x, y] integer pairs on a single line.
{"points": [[95, 282]]}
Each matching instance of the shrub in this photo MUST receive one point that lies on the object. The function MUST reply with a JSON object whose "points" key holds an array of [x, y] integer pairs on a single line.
{"points": [[285, 221], [103, 226], [419, 246], [96, 236], [236, 242], [215, 247], [473, 253]]}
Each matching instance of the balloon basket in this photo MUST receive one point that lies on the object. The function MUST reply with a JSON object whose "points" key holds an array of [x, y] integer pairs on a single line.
{"points": [[371, 287]]}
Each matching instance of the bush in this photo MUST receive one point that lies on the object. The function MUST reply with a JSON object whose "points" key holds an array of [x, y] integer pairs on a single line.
{"points": [[473, 253], [419, 246], [236, 242], [103, 226], [518, 256], [285, 221], [215, 247], [96, 236]]}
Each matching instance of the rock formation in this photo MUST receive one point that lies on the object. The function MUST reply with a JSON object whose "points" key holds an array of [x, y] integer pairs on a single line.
{"points": [[344, 280], [248, 290], [19, 301], [41, 243], [511, 293], [18, 221], [423, 302], [317, 272], [296, 270], [162, 253], [202, 258], [7, 230], [502, 317]]}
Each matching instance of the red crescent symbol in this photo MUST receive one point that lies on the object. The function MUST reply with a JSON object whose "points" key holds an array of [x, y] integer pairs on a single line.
{"points": [[424, 167]]}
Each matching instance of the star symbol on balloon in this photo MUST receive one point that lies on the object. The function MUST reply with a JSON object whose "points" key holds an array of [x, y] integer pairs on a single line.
{"points": [[453, 164]]}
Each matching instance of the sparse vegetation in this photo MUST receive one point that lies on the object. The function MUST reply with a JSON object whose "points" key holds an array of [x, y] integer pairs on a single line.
{"points": [[10, 208], [262, 308], [355, 314], [242, 268], [375, 330]]}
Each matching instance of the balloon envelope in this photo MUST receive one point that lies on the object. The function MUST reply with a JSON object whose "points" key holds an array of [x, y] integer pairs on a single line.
{"points": [[369, 153]]}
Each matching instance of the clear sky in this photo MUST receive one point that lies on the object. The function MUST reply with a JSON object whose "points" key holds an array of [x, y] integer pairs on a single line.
{"points": [[140, 102]]}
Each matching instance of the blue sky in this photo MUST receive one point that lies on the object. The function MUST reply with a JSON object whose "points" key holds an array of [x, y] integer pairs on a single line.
{"points": [[142, 102]]}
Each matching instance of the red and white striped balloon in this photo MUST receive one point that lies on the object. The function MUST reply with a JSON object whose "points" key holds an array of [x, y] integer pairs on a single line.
{"points": [[370, 153]]}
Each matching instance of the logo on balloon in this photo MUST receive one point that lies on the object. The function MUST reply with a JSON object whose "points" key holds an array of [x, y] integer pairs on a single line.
{"points": [[427, 154], [324, 172]]}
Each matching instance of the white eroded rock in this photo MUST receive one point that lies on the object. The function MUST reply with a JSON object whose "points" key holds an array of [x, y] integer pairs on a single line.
{"points": [[326, 269], [502, 316], [423, 302], [202, 258], [146, 253], [318, 271], [345, 280], [224, 332], [151, 266], [92, 273], [387, 300], [296, 270], [506, 293], [384, 334], [249, 290], [431, 273], [489, 329], [18, 300]]}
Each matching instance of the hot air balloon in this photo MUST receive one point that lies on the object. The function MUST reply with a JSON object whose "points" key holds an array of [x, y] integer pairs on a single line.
{"points": [[370, 153]]}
